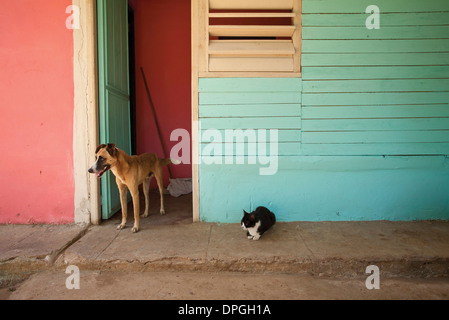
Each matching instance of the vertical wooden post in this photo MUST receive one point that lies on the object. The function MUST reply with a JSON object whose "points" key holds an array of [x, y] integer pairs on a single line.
{"points": [[85, 132], [297, 9], [195, 134], [94, 130], [203, 35]]}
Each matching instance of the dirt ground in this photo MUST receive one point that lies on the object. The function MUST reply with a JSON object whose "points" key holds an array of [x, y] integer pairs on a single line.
{"points": [[51, 285]]}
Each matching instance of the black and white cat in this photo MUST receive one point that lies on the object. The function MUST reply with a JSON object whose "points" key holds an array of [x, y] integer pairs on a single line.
{"points": [[257, 222]]}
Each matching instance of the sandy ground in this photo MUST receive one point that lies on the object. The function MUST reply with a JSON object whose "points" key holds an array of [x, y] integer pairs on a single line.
{"points": [[51, 285]]}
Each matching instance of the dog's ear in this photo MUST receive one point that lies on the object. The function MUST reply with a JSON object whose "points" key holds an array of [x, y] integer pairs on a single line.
{"points": [[101, 146], [112, 149]]}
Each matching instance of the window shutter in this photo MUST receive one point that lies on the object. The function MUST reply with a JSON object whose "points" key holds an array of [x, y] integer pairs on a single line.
{"points": [[250, 36]]}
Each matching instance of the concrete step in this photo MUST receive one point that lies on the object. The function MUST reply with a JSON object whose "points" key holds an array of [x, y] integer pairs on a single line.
{"points": [[335, 249]]}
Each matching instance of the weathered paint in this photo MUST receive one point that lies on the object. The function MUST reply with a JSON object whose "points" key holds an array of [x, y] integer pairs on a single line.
{"points": [[365, 132], [36, 122]]}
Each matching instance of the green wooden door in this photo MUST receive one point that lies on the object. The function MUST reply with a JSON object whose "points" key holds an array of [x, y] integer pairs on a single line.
{"points": [[114, 101]]}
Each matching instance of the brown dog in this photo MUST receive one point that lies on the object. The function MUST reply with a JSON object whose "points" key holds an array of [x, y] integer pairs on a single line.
{"points": [[130, 172]]}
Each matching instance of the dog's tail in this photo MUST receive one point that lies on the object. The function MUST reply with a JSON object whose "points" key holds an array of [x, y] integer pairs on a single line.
{"points": [[165, 162]]}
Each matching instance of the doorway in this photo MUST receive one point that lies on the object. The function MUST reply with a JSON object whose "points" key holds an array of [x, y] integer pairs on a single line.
{"points": [[156, 36]]}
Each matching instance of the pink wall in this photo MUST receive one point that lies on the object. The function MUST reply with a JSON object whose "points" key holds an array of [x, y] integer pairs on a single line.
{"points": [[163, 50], [36, 103]]}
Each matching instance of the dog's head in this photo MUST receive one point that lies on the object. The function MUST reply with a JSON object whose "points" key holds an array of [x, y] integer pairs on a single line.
{"points": [[105, 158]]}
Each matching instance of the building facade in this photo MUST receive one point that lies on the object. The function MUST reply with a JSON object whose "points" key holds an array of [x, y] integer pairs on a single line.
{"points": [[319, 110]]}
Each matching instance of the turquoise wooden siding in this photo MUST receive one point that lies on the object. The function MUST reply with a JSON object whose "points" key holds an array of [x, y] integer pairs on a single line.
{"points": [[329, 188], [363, 135], [257, 103], [375, 92]]}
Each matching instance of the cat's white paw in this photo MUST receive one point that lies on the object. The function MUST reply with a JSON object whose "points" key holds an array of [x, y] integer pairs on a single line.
{"points": [[250, 237], [256, 237]]}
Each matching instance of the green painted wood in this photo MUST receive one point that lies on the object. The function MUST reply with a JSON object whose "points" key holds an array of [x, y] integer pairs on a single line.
{"points": [[251, 123], [365, 132], [370, 149], [377, 137], [386, 6], [249, 110], [354, 188], [375, 59], [284, 135], [387, 111], [249, 97], [388, 19], [375, 124], [374, 46], [247, 149], [114, 107], [376, 98], [249, 85], [361, 32], [376, 85], [375, 72]]}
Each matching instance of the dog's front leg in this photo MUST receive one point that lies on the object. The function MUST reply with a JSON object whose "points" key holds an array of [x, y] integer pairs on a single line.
{"points": [[136, 205], [124, 203]]}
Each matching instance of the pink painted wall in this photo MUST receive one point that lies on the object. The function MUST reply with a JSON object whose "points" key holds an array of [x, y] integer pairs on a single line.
{"points": [[163, 49], [36, 104]]}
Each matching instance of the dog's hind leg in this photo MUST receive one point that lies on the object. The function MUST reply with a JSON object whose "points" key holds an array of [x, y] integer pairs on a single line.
{"points": [[160, 184], [146, 192], [124, 203]]}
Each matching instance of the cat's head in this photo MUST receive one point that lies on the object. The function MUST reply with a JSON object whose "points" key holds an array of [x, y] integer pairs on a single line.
{"points": [[248, 220]]}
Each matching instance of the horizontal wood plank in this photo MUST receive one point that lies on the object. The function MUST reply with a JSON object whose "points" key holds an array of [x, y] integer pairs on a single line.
{"points": [[380, 149], [361, 32], [381, 98], [251, 123], [249, 74], [284, 135], [375, 46], [249, 84], [248, 149], [251, 48], [251, 64], [251, 15], [359, 6], [376, 72], [388, 19], [414, 124], [249, 110], [376, 85], [249, 98], [377, 137], [376, 59], [386, 111], [251, 31], [251, 4]]}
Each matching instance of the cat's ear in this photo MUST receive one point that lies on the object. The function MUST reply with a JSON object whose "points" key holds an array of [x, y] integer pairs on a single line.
{"points": [[245, 213], [252, 217]]}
